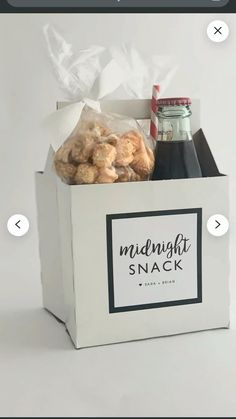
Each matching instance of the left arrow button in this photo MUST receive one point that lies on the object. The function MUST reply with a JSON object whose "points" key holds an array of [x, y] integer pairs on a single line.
{"points": [[18, 225]]}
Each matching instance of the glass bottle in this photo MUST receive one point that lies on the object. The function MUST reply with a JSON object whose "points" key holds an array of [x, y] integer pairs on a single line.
{"points": [[176, 157]]}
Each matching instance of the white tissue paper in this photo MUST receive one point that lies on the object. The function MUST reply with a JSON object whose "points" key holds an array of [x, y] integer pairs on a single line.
{"points": [[117, 72], [98, 73]]}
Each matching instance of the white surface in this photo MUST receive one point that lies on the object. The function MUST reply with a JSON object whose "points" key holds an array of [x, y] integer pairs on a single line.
{"points": [[41, 373]]}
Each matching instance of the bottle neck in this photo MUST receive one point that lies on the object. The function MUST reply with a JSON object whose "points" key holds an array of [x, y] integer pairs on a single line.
{"points": [[174, 123]]}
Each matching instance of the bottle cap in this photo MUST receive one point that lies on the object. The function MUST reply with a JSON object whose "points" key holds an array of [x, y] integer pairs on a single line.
{"points": [[175, 101]]}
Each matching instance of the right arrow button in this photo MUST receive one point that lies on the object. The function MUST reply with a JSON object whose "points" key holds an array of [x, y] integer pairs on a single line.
{"points": [[218, 225]]}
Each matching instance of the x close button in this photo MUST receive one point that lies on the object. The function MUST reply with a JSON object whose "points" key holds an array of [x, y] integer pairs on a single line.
{"points": [[218, 225], [18, 225], [218, 31]]}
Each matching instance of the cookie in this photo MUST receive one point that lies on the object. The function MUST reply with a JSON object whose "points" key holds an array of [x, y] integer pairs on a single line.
{"points": [[104, 155], [107, 175], [86, 174]]}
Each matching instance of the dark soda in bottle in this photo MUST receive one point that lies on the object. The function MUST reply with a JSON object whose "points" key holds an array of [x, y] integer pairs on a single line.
{"points": [[176, 157]]}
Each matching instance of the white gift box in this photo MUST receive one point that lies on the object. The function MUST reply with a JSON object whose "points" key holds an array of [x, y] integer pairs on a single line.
{"points": [[128, 261]]}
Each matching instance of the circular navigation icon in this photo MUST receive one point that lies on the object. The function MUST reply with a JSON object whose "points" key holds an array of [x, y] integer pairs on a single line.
{"points": [[218, 31], [218, 225], [18, 225]]}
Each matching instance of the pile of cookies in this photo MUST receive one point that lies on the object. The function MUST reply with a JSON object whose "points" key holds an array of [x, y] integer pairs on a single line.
{"points": [[94, 154]]}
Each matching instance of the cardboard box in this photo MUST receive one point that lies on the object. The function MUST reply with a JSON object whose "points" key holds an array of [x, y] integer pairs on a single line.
{"points": [[129, 261]]}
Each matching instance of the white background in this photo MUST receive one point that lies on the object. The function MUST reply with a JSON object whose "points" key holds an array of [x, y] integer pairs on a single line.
{"points": [[41, 373]]}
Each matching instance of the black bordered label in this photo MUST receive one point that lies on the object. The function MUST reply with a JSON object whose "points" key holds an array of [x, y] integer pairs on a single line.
{"points": [[154, 259]]}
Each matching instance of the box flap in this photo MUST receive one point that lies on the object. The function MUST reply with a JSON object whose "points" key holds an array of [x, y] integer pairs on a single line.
{"points": [[50, 159], [49, 241], [205, 157]]}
